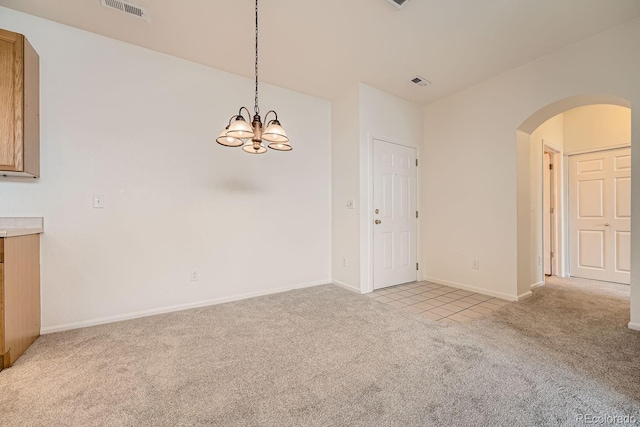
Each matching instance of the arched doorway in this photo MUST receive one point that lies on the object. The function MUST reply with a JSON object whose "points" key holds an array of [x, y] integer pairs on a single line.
{"points": [[528, 261]]}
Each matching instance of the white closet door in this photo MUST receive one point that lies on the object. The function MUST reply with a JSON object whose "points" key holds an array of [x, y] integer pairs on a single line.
{"points": [[600, 215]]}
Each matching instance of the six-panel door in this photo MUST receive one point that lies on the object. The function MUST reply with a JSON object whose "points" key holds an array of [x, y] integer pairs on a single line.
{"points": [[600, 215], [394, 229]]}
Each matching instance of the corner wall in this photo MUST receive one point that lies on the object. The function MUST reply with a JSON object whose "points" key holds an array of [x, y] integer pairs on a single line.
{"points": [[139, 128], [551, 131], [358, 116], [635, 217], [345, 175], [470, 192], [389, 118]]}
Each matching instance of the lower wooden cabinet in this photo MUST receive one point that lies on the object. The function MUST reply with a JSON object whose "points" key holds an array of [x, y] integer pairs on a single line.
{"points": [[19, 296]]}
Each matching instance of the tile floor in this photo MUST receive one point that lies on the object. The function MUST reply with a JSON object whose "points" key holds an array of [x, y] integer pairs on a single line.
{"points": [[438, 302]]}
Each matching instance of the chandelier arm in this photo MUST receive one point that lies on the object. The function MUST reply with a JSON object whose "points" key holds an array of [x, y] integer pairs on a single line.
{"points": [[267, 122], [231, 119], [248, 113]]}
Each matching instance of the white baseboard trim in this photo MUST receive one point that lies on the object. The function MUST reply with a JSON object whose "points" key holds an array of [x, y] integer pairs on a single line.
{"points": [[346, 286], [173, 308], [537, 285], [524, 296], [634, 326], [488, 292]]}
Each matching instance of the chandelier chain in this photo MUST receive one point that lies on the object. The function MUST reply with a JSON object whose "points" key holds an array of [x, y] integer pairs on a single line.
{"points": [[256, 109]]}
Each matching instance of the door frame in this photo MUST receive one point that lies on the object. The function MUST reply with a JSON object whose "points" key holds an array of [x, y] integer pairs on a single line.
{"points": [[557, 245], [567, 218], [366, 210]]}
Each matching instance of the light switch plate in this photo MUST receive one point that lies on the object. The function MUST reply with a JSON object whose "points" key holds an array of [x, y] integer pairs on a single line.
{"points": [[98, 202]]}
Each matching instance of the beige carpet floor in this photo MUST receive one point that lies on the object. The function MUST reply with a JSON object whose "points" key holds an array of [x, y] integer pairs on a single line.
{"points": [[324, 356]]}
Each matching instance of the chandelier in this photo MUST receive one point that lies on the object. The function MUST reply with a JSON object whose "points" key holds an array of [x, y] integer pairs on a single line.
{"points": [[239, 133]]}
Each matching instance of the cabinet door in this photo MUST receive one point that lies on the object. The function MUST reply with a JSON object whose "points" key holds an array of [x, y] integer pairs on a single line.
{"points": [[2, 346], [11, 100], [21, 295]]}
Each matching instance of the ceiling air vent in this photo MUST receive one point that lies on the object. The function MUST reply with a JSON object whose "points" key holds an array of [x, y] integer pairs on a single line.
{"points": [[126, 7], [398, 3], [420, 81]]}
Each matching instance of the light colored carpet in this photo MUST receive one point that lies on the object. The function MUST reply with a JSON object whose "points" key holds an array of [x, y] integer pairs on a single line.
{"points": [[324, 356]]}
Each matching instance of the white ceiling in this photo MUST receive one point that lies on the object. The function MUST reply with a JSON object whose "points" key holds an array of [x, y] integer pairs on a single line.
{"points": [[323, 47]]}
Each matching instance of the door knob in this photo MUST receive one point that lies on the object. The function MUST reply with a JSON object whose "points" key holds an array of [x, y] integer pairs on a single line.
{"points": [[378, 221], [607, 224]]}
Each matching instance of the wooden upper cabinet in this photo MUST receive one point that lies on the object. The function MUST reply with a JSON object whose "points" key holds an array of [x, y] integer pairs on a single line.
{"points": [[19, 106]]}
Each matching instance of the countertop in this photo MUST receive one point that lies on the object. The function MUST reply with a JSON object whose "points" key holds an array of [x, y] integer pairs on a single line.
{"points": [[13, 227]]}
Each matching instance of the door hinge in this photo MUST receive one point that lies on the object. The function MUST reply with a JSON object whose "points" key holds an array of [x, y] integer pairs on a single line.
{"points": [[416, 214], [551, 166], [552, 210], [416, 162], [417, 266], [552, 255]]}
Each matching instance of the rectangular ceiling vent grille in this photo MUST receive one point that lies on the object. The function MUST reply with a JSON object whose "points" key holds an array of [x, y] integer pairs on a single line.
{"points": [[420, 81], [398, 3], [126, 7]]}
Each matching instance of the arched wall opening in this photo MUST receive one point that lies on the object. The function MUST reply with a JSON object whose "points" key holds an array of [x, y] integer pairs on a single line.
{"points": [[525, 244]]}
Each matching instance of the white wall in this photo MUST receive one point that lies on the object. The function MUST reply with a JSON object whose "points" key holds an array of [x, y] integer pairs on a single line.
{"points": [[139, 127], [468, 192], [596, 126], [551, 131], [470, 187], [393, 119], [359, 115], [635, 218], [345, 186]]}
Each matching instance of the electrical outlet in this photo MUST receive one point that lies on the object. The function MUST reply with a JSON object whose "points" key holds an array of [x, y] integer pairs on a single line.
{"points": [[345, 262], [98, 202], [195, 275], [539, 259], [476, 264]]}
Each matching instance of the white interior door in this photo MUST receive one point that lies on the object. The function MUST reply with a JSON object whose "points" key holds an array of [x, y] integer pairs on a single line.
{"points": [[547, 212], [394, 203], [600, 209]]}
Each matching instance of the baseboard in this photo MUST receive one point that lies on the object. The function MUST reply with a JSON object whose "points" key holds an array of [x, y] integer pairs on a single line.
{"points": [[634, 326], [346, 286], [174, 308], [501, 295], [524, 296], [537, 285]]}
